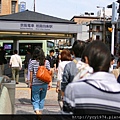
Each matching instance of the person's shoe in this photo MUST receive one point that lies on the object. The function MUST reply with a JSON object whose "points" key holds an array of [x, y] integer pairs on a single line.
{"points": [[17, 82]]}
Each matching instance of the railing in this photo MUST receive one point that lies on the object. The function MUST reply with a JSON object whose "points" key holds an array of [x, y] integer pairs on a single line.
{"points": [[7, 96]]}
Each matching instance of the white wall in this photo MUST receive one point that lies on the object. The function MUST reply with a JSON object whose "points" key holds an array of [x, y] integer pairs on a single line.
{"points": [[84, 34]]}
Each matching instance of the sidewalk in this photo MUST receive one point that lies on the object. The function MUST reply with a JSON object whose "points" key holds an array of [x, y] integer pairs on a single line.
{"points": [[23, 103]]}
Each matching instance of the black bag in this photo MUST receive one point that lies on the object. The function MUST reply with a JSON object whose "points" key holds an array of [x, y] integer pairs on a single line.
{"points": [[5, 61], [118, 79], [26, 65]]}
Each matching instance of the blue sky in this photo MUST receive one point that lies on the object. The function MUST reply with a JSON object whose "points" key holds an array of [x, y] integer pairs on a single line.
{"points": [[66, 9]]}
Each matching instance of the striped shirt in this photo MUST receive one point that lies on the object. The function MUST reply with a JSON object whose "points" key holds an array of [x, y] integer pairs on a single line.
{"points": [[33, 66], [99, 91]]}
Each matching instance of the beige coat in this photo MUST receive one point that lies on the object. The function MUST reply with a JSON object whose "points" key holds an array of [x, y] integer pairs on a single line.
{"points": [[116, 72]]}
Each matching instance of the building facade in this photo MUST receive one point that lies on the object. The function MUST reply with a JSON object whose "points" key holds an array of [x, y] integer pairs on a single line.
{"points": [[98, 32], [8, 7], [84, 20]]}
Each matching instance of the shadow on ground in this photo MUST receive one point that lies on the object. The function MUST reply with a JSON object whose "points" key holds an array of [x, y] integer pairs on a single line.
{"points": [[24, 101]]}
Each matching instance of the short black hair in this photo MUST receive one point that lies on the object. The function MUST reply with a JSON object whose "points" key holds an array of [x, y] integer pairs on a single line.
{"points": [[99, 56], [78, 48], [29, 50], [15, 51], [51, 51]]}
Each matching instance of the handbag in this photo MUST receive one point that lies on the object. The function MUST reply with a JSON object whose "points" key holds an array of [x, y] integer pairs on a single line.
{"points": [[44, 74]]}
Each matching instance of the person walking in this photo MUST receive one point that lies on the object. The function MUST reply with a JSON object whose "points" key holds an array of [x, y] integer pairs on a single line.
{"points": [[111, 63], [52, 60], [28, 56], [70, 69], [38, 88], [116, 71], [65, 58], [97, 92], [2, 60], [16, 66]]}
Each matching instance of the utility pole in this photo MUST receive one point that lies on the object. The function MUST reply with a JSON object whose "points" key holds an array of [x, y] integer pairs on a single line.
{"points": [[34, 5], [104, 31], [115, 20]]}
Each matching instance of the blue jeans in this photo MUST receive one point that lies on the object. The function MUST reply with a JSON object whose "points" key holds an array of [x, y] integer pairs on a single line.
{"points": [[38, 96]]}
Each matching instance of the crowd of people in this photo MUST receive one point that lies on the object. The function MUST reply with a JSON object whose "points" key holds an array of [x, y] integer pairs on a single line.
{"points": [[99, 92], [86, 80]]}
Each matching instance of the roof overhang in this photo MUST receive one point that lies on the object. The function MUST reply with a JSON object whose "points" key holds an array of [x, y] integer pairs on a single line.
{"points": [[29, 25], [23, 30], [32, 36]]}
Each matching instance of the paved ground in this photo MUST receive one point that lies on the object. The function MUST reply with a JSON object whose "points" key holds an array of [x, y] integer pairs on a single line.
{"points": [[23, 103]]}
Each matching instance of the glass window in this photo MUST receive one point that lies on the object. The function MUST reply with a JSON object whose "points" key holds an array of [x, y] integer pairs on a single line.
{"points": [[97, 37], [97, 28], [24, 46], [50, 44], [8, 47]]}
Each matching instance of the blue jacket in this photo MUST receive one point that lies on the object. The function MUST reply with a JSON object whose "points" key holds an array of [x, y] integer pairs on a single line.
{"points": [[70, 71]]}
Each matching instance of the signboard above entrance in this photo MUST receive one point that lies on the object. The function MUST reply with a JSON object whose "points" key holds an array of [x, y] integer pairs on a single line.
{"points": [[39, 27]]}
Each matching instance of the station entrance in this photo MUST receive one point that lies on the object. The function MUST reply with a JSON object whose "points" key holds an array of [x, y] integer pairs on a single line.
{"points": [[25, 27], [19, 30]]}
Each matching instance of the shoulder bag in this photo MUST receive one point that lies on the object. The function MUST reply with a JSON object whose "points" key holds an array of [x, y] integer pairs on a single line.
{"points": [[44, 74]]}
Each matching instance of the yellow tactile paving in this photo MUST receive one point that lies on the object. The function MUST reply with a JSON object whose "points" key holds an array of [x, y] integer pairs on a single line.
{"points": [[26, 93], [30, 89], [23, 93]]}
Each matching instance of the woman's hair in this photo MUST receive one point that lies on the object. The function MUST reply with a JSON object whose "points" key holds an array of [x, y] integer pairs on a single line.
{"points": [[38, 54], [65, 55], [118, 62], [99, 56], [78, 48]]}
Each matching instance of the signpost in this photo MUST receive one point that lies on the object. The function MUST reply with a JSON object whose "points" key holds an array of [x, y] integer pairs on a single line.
{"points": [[114, 21]]}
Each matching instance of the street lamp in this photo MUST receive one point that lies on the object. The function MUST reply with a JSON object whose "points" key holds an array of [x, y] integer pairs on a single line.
{"points": [[103, 9]]}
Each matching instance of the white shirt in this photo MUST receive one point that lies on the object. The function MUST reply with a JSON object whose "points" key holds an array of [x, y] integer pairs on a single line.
{"points": [[60, 70], [15, 61]]}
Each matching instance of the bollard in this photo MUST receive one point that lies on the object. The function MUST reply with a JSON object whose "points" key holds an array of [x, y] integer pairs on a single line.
{"points": [[5, 102], [11, 89], [10, 85]]}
